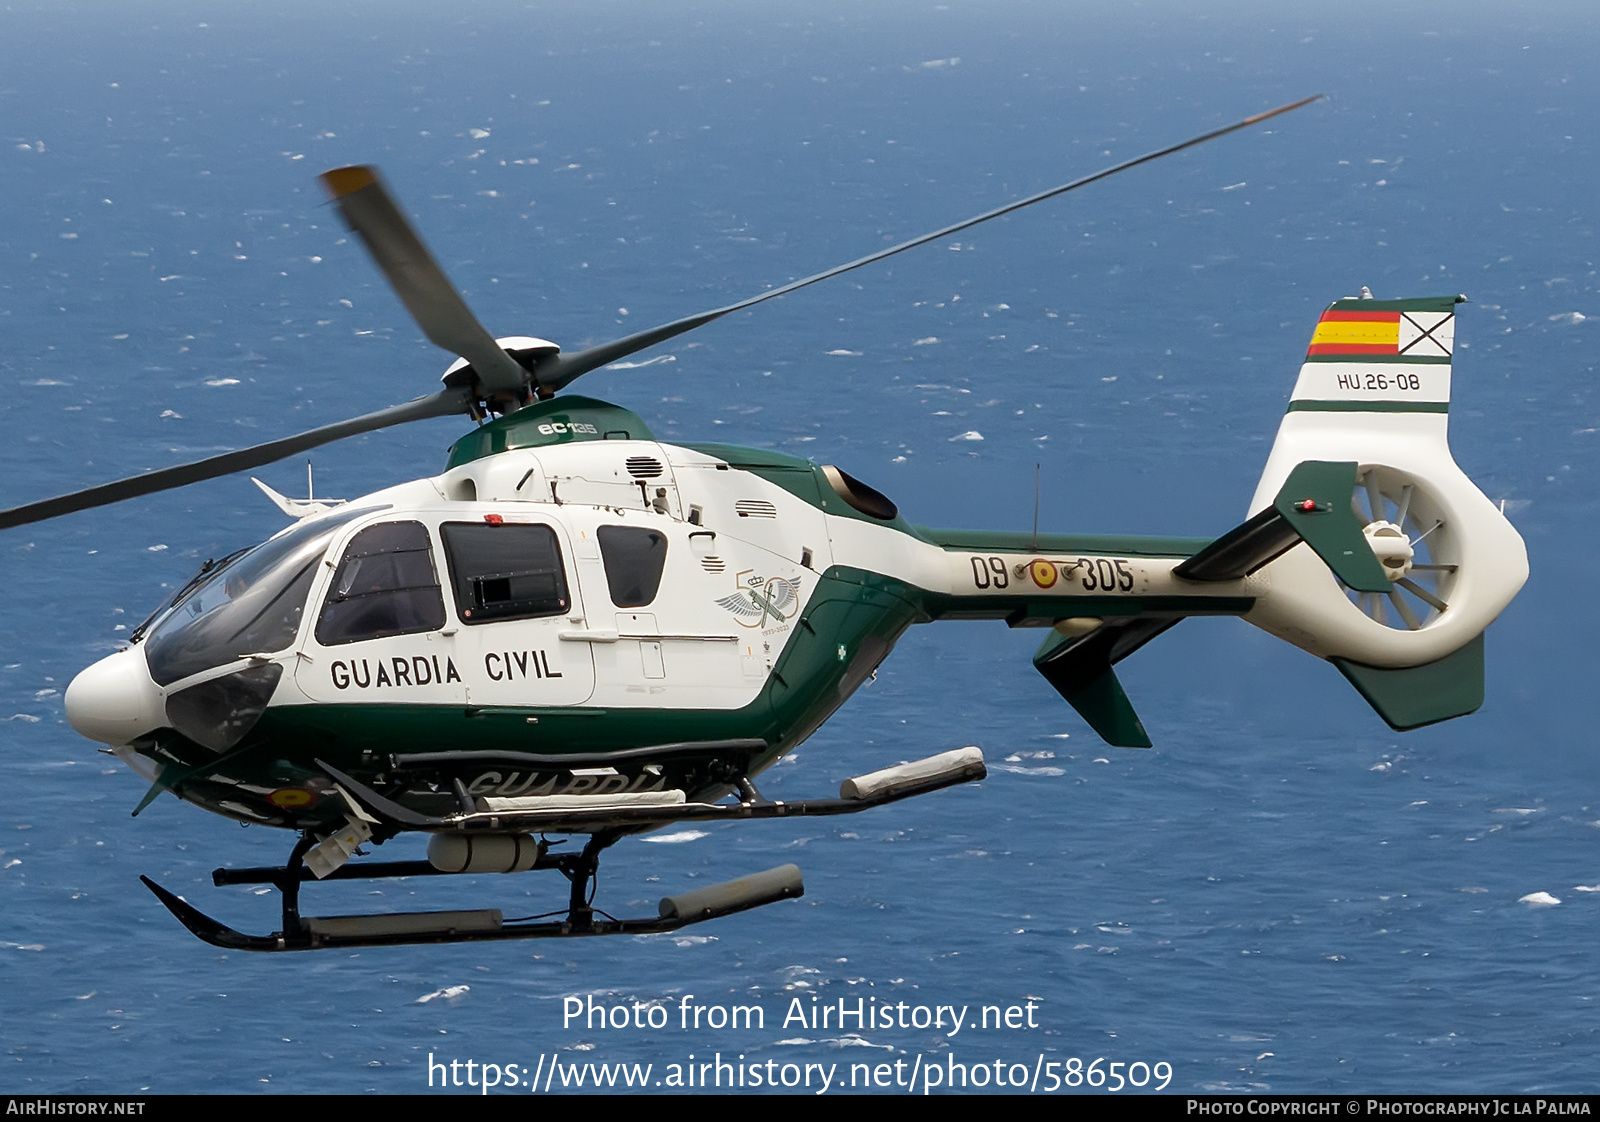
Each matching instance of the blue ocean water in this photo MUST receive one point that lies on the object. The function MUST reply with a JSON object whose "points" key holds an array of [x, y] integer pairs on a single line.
{"points": [[1281, 895]]}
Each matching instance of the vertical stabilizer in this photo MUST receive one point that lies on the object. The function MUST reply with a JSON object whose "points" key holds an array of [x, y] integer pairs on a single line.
{"points": [[1375, 390]]}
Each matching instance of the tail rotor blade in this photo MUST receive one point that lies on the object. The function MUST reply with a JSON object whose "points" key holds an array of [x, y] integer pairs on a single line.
{"points": [[437, 405], [417, 279]]}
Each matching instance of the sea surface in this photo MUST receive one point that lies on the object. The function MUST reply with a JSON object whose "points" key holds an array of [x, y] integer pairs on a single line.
{"points": [[1283, 895]]}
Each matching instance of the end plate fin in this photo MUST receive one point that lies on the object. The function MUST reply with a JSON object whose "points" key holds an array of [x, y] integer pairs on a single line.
{"points": [[1312, 506], [1413, 696], [1315, 500]]}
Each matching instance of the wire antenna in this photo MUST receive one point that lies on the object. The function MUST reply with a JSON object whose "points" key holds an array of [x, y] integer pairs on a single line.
{"points": [[1035, 546]]}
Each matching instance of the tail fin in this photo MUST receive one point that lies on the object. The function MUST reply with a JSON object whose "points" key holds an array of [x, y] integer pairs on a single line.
{"points": [[1374, 396]]}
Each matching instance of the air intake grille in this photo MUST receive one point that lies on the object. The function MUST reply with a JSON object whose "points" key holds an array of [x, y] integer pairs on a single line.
{"points": [[713, 564], [755, 508], [644, 467]]}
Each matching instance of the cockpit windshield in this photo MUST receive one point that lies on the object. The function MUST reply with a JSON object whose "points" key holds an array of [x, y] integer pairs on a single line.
{"points": [[251, 604]]}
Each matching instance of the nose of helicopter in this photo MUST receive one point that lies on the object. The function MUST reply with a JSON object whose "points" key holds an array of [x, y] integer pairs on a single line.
{"points": [[114, 700]]}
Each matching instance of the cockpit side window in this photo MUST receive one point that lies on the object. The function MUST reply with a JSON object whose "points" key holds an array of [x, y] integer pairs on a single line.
{"points": [[505, 571], [385, 585], [634, 558]]}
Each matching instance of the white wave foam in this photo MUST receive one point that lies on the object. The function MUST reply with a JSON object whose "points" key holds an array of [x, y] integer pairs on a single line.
{"points": [[646, 362], [680, 836], [449, 993], [848, 1040]]}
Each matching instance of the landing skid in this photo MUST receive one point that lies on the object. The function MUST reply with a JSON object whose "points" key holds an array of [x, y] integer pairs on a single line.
{"points": [[328, 932], [300, 933]]}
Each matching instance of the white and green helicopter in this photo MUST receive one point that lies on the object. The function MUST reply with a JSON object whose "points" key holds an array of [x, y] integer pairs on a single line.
{"points": [[577, 630]]}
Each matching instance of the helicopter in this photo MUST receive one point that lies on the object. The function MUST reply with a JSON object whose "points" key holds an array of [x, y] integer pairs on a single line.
{"points": [[577, 630]]}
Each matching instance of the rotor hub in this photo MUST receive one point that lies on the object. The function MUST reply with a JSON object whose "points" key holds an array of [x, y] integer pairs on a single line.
{"points": [[1391, 547], [528, 352]]}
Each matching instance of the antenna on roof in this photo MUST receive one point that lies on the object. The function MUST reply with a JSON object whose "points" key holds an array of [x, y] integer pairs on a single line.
{"points": [[1035, 546]]}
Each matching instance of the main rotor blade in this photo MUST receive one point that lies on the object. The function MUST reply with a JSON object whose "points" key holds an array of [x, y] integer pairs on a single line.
{"points": [[417, 278], [556, 372], [436, 405]]}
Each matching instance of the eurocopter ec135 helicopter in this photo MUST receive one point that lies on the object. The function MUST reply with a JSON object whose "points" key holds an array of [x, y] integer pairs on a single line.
{"points": [[578, 630]]}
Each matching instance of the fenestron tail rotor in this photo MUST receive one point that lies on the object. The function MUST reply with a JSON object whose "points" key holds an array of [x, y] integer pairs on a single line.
{"points": [[500, 376], [1415, 544]]}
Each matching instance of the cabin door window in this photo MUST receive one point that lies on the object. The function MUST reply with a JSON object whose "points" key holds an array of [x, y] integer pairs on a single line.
{"points": [[385, 585]]}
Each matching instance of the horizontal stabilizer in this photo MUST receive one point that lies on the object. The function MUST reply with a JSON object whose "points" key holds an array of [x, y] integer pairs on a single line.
{"points": [[1242, 550], [1312, 506], [1414, 696]]}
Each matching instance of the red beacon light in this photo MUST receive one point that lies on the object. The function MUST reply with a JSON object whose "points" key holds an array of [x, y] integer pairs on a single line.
{"points": [[494, 519]]}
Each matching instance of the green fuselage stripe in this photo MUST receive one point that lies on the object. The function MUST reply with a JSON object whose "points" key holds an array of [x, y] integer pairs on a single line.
{"points": [[1417, 304], [1369, 407], [1021, 541]]}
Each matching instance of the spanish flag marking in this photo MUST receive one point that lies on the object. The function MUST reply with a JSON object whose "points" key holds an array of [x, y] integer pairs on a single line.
{"points": [[1356, 333]]}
